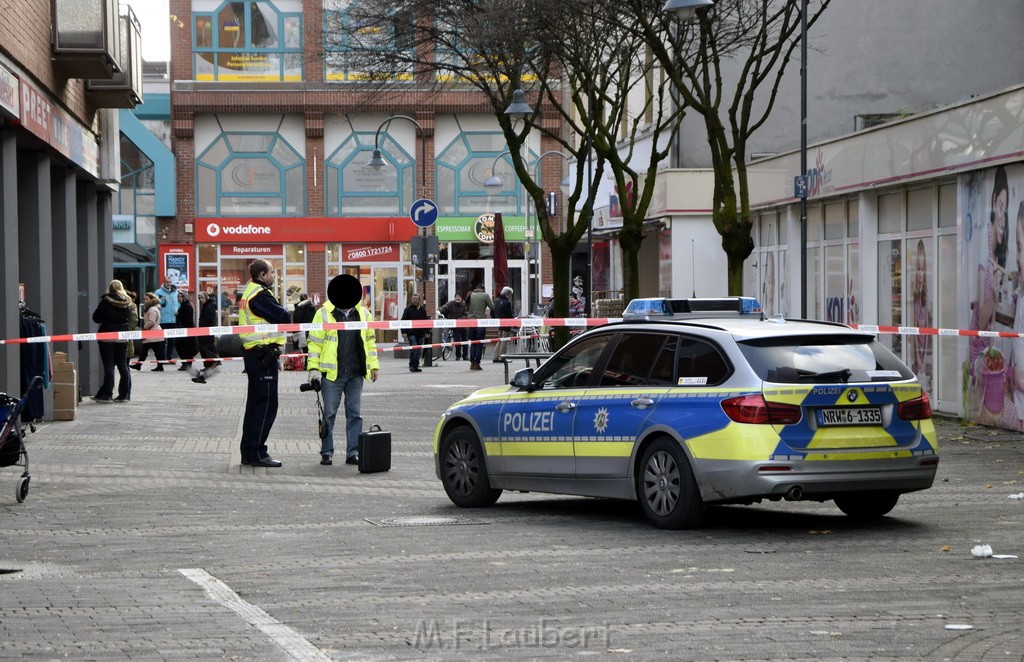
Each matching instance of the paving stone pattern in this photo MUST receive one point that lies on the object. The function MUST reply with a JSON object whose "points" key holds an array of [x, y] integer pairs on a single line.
{"points": [[126, 497]]}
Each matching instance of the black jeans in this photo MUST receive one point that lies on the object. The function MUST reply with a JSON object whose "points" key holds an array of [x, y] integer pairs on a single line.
{"points": [[115, 355]]}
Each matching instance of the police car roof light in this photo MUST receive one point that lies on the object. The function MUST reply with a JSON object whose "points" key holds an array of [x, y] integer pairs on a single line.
{"points": [[654, 308]]}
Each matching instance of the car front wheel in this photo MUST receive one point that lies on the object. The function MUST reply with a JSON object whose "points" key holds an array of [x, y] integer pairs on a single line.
{"points": [[666, 487], [464, 470]]}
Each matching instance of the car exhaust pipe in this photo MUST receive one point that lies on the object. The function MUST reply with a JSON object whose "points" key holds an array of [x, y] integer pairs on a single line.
{"points": [[794, 493]]}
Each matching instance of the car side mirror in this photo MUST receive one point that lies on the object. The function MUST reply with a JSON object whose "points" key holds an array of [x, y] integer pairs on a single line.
{"points": [[523, 379]]}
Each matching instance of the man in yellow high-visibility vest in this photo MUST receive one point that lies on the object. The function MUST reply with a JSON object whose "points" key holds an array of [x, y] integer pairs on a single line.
{"points": [[341, 360], [260, 351]]}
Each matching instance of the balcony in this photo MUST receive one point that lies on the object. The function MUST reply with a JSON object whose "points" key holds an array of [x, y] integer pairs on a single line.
{"points": [[124, 88], [85, 38]]}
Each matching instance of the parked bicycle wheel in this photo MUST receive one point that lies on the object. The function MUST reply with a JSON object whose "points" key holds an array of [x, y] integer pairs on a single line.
{"points": [[446, 347]]}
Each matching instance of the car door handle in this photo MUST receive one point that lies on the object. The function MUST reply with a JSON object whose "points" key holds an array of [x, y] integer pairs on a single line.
{"points": [[642, 403], [565, 406]]}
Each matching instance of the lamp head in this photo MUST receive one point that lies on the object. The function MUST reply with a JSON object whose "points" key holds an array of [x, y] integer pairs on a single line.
{"points": [[519, 109], [685, 10], [494, 181], [377, 160]]}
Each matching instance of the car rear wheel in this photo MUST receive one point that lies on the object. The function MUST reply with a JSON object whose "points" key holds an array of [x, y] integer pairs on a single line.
{"points": [[666, 487], [867, 505], [464, 470]]}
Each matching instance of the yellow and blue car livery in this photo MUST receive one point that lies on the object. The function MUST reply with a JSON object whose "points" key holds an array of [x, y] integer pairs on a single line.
{"points": [[811, 434]]}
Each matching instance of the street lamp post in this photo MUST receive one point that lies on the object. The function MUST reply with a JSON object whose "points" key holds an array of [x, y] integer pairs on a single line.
{"points": [[377, 162]]}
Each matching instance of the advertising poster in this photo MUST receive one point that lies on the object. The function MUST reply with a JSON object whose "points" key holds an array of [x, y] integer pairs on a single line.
{"points": [[175, 263], [919, 268], [993, 373]]}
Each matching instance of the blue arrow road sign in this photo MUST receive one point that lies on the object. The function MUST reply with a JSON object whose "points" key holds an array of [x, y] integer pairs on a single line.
{"points": [[423, 212]]}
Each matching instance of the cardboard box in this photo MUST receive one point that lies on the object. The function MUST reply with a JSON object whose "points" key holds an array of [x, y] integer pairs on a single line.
{"points": [[65, 397], [59, 368]]}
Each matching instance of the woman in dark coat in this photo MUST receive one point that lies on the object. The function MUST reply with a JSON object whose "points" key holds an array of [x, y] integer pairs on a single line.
{"points": [[112, 314], [186, 319]]}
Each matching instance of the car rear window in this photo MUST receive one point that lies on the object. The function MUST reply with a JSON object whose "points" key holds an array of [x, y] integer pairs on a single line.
{"points": [[822, 359]]}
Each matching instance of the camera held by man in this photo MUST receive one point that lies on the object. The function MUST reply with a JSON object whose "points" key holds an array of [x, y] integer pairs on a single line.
{"points": [[312, 385]]}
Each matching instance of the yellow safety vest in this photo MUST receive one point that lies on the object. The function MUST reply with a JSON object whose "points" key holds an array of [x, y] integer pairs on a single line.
{"points": [[247, 317], [323, 345]]}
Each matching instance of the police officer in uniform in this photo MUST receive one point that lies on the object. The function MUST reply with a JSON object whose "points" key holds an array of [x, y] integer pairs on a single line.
{"points": [[260, 351]]}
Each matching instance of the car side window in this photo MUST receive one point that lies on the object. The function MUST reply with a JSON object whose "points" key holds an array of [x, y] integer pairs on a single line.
{"points": [[574, 366], [700, 363], [634, 359]]}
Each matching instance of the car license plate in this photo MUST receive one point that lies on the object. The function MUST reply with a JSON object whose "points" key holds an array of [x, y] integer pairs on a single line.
{"points": [[849, 416]]}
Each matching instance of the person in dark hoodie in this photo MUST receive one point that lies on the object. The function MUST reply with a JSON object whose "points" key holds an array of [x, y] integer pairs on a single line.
{"points": [[207, 344], [185, 318], [112, 314]]}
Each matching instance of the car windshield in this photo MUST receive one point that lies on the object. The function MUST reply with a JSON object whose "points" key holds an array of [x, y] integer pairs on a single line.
{"points": [[823, 359]]}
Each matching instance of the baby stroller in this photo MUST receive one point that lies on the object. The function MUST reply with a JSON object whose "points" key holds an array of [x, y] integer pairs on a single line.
{"points": [[12, 436]]}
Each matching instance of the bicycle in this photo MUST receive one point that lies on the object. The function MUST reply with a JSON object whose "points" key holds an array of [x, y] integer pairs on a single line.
{"points": [[447, 335]]}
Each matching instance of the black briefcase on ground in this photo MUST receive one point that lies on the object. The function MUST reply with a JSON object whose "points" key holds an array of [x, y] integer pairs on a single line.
{"points": [[374, 450]]}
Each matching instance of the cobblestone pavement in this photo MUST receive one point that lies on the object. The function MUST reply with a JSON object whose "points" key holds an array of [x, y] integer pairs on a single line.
{"points": [[143, 538]]}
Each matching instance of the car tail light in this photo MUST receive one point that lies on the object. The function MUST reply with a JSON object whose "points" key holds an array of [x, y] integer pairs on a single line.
{"points": [[918, 409], [754, 409]]}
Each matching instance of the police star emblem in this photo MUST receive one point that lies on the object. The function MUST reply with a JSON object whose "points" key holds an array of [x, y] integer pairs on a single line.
{"points": [[601, 420]]}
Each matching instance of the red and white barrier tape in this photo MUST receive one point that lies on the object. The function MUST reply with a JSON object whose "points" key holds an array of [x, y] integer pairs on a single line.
{"points": [[461, 343], [393, 325], [402, 325]]}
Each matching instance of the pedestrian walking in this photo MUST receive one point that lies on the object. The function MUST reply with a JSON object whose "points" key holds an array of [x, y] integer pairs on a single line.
{"points": [[167, 294], [480, 306], [456, 310], [186, 347], [207, 344], [151, 322], [503, 310], [415, 311]]}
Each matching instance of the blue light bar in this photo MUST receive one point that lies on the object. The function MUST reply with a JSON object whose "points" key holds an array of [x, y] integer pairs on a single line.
{"points": [[661, 307]]}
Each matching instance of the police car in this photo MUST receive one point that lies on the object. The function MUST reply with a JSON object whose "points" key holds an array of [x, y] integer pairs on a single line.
{"points": [[692, 402]]}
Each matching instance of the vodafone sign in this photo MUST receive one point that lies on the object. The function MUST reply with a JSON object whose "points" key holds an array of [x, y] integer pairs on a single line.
{"points": [[304, 229]]}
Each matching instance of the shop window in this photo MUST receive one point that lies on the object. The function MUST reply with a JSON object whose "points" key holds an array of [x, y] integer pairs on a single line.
{"points": [[355, 189], [256, 41], [920, 213], [465, 164], [363, 43], [250, 174], [835, 220], [890, 213], [852, 218], [947, 206]]}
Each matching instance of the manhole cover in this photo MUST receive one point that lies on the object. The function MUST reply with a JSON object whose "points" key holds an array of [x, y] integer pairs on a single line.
{"points": [[423, 520]]}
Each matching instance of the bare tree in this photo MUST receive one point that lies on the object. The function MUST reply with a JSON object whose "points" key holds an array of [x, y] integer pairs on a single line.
{"points": [[758, 35]]}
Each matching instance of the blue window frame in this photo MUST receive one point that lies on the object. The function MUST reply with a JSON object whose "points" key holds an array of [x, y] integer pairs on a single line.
{"points": [[355, 189], [259, 41], [355, 37], [465, 164], [250, 174]]}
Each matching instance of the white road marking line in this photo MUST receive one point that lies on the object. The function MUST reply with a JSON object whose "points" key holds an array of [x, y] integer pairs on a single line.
{"points": [[297, 647]]}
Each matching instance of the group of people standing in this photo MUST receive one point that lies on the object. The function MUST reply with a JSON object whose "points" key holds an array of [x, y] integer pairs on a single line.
{"points": [[477, 305], [166, 308]]}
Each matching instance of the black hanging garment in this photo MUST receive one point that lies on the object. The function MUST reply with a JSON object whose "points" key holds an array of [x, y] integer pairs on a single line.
{"points": [[33, 362]]}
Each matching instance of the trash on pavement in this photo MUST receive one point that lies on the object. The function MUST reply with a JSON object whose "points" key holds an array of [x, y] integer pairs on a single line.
{"points": [[982, 551], [1018, 495]]}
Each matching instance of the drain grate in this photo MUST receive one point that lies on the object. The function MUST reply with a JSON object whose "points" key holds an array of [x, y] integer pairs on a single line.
{"points": [[424, 520], [9, 571]]}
